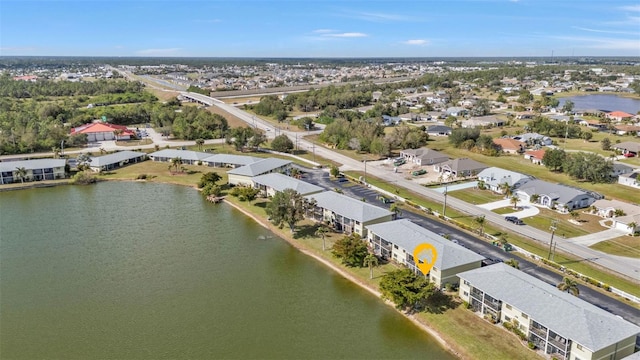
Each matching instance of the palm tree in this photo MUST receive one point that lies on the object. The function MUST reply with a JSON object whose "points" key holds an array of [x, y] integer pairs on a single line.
{"points": [[534, 198], [569, 285], [395, 209], [574, 215], [513, 263], [370, 260], [632, 226], [321, 231], [514, 200], [200, 142], [117, 133], [176, 162], [21, 173], [506, 189], [480, 220]]}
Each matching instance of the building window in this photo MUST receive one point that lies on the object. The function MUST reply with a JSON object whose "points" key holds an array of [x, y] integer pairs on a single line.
{"points": [[395, 247], [465, 293], [507, 319], [466, 282], [508, 306], [579, 346], [525, 316]]}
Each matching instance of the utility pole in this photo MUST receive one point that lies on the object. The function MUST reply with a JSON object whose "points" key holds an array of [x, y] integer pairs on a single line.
{"points": [[444, 206], [553, 227], [365, 170]]}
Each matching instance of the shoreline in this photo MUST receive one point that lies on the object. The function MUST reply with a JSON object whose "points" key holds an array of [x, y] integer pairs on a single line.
{"points": [[437, 336]]}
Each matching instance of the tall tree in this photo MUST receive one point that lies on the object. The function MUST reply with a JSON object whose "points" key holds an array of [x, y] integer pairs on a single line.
{"points": [[514, 201], [21, 173], [176, 162], [282, 143], [351, 249], [407, 290], [200, 142], [322, 231], [287, 207], [569, 285], [480, 220], [371, 261]]}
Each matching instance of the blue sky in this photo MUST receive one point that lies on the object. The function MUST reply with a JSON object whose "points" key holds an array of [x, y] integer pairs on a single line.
{"points": [[330, 28]]}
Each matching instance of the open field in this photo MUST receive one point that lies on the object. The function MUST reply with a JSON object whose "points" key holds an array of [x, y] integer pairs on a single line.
{"points": [[232, 120], [476, 196], [564, 228], [162, 95], [628, 246], [159, 172]]}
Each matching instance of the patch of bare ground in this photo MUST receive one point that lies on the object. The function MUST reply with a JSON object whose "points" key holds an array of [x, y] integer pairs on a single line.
{"points": [[232, 120]]}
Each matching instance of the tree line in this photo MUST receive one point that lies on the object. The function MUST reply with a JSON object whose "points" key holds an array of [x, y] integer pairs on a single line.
{"points": [[581, 166], [45, 87]]}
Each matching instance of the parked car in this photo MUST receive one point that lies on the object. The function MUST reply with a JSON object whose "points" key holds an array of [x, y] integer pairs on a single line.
{"points": [[419, 172], [514, 220], [629, 154], [399, 162]]}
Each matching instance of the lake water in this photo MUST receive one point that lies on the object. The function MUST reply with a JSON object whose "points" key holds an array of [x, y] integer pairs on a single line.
{"points": [[151, 271], [603, 102]]}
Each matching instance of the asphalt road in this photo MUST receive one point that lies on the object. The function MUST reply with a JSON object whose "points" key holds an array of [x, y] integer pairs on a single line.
{"points": [[321, 178]]}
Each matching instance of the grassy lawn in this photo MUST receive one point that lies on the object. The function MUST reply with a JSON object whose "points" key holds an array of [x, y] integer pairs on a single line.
{"points": [[232, 120], [564, 228], [628, 246], [504, 210], [159, 172], [133, 143], [476, 196]]}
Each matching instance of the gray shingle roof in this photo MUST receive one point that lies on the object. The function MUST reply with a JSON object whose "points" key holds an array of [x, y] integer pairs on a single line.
{"points": [[6, 166], [497, 176], [259, 167], [408, 235], [464, 164], [349, 207], [114, 158], [558, 192], [238, 160], [280, 182], [183, 154], [567, 315]]}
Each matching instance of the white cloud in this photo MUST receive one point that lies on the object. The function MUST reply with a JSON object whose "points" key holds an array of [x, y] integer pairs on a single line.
{"points": [[158, 52], [606, 31], [419, 42], [347, 35], [604, 43], [323, 31], [631, 8], [378, 17]]}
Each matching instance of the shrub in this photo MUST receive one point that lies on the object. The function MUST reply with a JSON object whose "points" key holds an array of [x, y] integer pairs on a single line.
{"points": [[466, 305], [532, 346], [142, 177], [84, 178]]}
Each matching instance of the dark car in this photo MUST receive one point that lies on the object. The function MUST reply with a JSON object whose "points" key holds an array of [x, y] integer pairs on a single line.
{"points": [[514, 220]]}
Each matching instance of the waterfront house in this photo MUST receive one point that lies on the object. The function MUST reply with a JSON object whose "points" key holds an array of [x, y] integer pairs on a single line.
{"points": [[36, 170], [619, 116], [396, 241], [186, 156], [462, 167], [559, 324], [494, 177], [423, 156], [116, 160], [229, 160], [271, 183], [346, 214], [244, 175], [555, 196]]}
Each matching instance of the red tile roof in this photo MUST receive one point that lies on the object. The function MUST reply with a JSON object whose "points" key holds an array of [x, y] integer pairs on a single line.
{"points": [[509, 144], [100, 127], [620, 114], [538, 154]]}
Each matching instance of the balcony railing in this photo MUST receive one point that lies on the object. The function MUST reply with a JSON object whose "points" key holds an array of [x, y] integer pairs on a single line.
{"points": [[539, 331]]}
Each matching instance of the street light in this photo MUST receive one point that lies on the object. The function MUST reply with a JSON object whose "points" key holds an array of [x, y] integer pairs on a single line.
{"points": [[553, 227], [444, 206], [365, 171]]}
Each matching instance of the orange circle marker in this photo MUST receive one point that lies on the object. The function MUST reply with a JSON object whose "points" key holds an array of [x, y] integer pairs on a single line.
{"points": [[425, 266]]}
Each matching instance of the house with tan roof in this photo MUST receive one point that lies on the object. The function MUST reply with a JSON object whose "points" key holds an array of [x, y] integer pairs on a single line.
{"points": [[535, 156], [462, 167], [423, 156], [510, 146]]}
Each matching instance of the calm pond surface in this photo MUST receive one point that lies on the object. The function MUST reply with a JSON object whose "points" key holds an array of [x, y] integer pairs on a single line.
{"points": [[151, 271], [603, 102]]}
